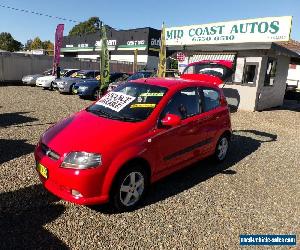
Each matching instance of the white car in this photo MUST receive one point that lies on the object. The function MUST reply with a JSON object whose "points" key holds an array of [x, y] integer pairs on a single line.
{"points": [[31, 79], [47, 81]]}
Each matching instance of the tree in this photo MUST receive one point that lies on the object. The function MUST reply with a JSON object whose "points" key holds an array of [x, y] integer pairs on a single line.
{"points": [[28, 44], [90, 26], [48, 46], [37, 43], [7, 42]]}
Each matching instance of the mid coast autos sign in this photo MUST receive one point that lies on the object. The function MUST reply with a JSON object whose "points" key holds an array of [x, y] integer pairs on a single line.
{"points": [[269, 29]]}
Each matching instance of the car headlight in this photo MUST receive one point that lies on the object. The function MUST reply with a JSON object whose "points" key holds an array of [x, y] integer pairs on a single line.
{"points": [[81, 160], [83, 88]]}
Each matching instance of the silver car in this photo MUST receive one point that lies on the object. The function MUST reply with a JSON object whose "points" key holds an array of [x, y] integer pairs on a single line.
{"points": [[31, 79], [65, 84]]}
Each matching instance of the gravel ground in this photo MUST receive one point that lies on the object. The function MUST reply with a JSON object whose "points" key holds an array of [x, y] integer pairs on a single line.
{"points": [[256, 191]]}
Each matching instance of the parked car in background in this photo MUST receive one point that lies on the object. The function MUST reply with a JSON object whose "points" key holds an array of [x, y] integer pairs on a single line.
{"points": [[47, 81], [31, 79], [135, 135], [135, 76], [65, 84], [214, 71], [68, 73], [90, 88]]}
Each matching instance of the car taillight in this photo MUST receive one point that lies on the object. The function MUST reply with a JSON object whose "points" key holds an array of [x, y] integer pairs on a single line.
{"points": [[223, 101]]}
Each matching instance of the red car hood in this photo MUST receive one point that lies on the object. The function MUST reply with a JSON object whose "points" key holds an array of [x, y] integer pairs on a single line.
{"points": [[88, 132], [203, 77]]}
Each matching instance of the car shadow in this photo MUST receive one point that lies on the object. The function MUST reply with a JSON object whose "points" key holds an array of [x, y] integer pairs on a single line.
{"points": [[291, 105], [11, 149], [8, 119], [23, 214], [244, 143]]}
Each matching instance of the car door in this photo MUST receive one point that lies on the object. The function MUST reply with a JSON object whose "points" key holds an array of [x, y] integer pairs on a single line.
{"points": [[176, 145], [213, 116]]}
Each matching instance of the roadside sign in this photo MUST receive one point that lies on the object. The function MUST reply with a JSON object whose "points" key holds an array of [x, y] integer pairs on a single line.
{"points": [[180, 56]]}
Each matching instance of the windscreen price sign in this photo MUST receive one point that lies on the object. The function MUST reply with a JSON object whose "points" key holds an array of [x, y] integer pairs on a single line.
{"points": [[268, 29], [115, 101]]}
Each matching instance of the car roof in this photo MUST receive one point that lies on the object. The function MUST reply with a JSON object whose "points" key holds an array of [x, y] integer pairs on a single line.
{"points": [[173, 82]]}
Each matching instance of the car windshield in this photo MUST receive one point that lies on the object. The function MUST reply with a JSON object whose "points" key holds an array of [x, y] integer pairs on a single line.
{"points": [[209, 69], [84, 74], [139, 75], [48, 72], [68, 73], [129, 102], [115, 77]]}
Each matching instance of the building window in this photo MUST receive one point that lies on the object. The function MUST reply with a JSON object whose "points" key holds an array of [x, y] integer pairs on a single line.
{"points": [[270, 72], [249, 73], [245, 72]]}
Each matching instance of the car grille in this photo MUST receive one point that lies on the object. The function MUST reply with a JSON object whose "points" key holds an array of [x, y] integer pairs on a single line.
{"points": [[49, 152]]}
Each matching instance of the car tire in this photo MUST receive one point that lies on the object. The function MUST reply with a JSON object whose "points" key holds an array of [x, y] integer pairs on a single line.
{"points": [[96, 94], [51, 86], [222, 148], [71, 88], [129, 188]]}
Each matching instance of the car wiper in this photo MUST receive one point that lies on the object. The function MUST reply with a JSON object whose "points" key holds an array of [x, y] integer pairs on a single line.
{"points": [[129, 119], [100, 113]]}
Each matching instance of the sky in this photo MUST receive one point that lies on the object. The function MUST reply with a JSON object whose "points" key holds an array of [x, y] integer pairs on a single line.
{"points": [[129, 14]]}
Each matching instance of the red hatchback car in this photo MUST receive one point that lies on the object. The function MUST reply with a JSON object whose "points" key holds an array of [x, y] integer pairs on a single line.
{"points": [[135, 135]]}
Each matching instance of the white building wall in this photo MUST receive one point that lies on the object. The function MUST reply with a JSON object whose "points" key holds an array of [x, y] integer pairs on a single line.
{"points": [[272, 96], [293, 78], [241, 96]]}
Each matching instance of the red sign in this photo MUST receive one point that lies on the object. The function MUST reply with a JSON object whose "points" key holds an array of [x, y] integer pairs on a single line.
{"points": [[58, 43], [180, 56]]}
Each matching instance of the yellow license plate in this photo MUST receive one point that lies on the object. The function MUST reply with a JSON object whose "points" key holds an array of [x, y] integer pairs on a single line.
{"points": [[42, 170]]}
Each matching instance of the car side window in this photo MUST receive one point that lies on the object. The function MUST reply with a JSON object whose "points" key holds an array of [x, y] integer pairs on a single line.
{"points": [[185, 103], [211, 99]]}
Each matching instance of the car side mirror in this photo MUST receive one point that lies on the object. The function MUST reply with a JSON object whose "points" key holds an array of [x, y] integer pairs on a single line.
{"points": [[171, 120]]}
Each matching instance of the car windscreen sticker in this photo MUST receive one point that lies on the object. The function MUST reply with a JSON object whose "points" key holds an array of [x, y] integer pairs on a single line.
{"points": [[152, 94], [143, 105], [115, 101]]}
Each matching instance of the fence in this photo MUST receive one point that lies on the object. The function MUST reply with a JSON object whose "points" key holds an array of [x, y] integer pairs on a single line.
{"points": [[14, 66]]}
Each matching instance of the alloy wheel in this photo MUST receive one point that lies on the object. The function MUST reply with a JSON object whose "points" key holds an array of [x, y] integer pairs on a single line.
{"points": [[222, 148], [132, 189]]}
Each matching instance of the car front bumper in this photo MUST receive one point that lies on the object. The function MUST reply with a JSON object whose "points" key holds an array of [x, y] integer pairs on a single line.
{"points": [[62, 181], [63, 88], [29, 81], [43, 84], [85, 93]]}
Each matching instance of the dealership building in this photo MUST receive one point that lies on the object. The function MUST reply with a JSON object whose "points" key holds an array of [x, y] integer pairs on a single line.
{"points": [[256, 47], [121, 44], [259, 49]]}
